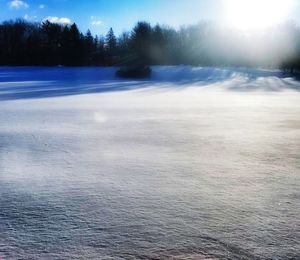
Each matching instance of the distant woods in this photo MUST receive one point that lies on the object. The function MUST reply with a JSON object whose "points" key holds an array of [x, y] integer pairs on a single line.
{"points": [[206, 44]]}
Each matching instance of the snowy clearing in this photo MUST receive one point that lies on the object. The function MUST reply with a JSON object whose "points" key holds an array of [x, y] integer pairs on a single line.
{"points": [[197, 163]]}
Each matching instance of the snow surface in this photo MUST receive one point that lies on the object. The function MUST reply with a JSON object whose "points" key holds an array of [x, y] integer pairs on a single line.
{"points": [[196, 163]]}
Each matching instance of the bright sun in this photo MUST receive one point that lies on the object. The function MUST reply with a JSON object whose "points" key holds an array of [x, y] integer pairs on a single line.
{"points": [[256, 14]]}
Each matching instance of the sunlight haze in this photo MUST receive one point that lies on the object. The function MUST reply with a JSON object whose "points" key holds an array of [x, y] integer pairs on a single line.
{"points": [[257, 14]]}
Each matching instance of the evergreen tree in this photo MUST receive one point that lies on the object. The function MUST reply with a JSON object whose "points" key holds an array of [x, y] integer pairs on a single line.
{"points": [[111, 42], [141, 42], [72, 46], [89, 48]]}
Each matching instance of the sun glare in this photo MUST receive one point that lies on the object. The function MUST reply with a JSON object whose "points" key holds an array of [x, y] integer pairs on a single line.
{"points": [[257, 14]]}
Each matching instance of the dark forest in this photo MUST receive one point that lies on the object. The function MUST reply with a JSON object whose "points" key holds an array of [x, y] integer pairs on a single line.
{"points": [[49, 44]]}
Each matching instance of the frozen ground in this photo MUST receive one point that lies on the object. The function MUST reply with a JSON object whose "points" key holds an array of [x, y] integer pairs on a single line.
{"points": [[194, 164]]}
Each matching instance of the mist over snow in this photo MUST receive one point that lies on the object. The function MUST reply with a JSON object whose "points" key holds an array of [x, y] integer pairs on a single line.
{"points": [[193, 163]]}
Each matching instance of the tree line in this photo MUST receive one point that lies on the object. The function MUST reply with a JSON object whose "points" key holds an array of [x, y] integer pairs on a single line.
{"points": [[205, 44]]}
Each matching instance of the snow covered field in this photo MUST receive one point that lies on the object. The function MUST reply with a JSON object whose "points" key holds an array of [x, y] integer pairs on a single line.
{"points": [[194, 164]]}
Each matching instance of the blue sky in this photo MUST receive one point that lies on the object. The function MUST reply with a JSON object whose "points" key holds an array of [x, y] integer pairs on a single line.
{"points": [[99, 15]]}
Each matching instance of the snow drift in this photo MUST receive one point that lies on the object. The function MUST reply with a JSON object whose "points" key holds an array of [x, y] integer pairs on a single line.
{"points": [[34, 82], [195, 163]]}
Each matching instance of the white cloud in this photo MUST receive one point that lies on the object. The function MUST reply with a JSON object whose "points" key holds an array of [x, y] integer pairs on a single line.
{"points": [[42, 6], [95, 21], [17, 4], [31, 18], [59, 20]]}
